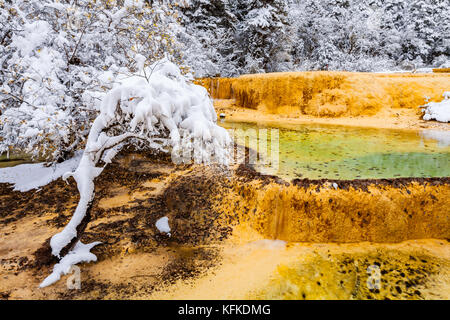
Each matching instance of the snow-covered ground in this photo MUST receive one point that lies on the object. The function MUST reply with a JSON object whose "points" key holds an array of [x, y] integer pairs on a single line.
{"points": [[439, 111], [26, 177], [418, 70]]}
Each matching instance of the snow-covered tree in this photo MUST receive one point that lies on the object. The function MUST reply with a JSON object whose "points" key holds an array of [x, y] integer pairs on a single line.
{"points": [[156, 109], [59, 58], [208, 37], [261, 34], [428, 20]]}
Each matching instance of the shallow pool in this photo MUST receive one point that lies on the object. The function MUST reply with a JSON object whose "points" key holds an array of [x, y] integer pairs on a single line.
{"points": [[14, 160], [340, 152]]}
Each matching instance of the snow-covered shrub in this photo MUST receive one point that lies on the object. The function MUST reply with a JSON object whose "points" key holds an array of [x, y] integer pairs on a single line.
{"points": [[439, 111], [58, 58], [156, 109]]}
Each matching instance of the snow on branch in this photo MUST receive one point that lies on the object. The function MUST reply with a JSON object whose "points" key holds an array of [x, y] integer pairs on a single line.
{"points": [[155, 109]]}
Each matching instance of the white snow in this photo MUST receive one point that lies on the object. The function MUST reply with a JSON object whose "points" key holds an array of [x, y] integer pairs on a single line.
{"points": [[106, 77], [84, 176], [439, 111], [26, 177], [424, 70], [163, 225], [80, 253], [140, 61], [33, 36]]}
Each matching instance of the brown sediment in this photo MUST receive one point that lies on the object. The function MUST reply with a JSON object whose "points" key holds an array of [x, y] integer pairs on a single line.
{"points": [[124, 229], [363, 184], [211, 210], [249, 173], [328, 94]]}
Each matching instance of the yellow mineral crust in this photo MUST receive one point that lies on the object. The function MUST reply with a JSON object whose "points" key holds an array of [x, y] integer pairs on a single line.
{"points": [[328, 94], [321, 213]]}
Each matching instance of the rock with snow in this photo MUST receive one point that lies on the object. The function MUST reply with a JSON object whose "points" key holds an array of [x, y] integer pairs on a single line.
{"points": [[163, 225], [439, 111]]}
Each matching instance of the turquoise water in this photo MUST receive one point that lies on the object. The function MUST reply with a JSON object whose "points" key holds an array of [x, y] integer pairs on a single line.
{"points": [[340, 152]]}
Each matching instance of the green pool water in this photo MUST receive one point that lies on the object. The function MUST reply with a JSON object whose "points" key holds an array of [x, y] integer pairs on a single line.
{"points": [[340, 152], [13, 160]]}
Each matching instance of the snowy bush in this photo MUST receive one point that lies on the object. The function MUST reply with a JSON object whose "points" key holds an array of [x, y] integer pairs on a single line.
{"points": [[156, 109], [59, 58], [439, 111]]}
